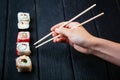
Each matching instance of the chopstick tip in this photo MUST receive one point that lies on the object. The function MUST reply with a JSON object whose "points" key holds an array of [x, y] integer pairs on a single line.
{"points": [[36, 47], [94, 4], [102, 13], [34, 44]]}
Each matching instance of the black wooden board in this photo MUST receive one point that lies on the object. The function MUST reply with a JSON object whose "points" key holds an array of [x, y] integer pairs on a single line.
{"points": [[108, 28], [86, 67], [54, 59], [3, 22], [10, 71], [57, 61]]}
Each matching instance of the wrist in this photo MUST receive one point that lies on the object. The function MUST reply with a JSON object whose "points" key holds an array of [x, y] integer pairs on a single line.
{"points": [[91, 44]]}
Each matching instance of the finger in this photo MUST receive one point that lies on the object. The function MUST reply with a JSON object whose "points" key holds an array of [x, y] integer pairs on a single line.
{"points": [[54, 34], [61, 40], [63, 31], [72, 25], [54, 40], [57, 26]]}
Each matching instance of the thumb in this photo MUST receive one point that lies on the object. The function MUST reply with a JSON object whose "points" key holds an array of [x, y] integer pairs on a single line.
{"points": [[63, 31]]}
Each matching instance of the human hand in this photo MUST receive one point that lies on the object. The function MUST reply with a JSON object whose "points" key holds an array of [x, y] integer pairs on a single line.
{"points": [[84, 42], [76, 36]]}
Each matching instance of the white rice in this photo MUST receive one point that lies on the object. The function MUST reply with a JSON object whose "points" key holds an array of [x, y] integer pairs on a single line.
{"points": [[23, 48], [23, 66], [23, 17]]}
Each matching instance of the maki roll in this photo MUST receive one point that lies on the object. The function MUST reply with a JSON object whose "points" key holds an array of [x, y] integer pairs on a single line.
{"points": [[23, 17], [23, 48], [23, 25], [23, 36], [23, 64]]}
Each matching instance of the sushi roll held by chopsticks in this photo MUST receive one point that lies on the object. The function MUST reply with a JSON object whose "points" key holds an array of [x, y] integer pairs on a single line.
{"points": [[23, 64]]}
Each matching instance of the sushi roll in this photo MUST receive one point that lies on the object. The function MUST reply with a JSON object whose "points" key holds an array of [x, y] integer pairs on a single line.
{"points": [[23, 36], [23, 64], [23, 17], [23, 25], [23, 48]]}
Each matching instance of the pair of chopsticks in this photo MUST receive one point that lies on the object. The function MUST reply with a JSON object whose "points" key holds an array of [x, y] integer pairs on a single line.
{"points": [[68, 23]]}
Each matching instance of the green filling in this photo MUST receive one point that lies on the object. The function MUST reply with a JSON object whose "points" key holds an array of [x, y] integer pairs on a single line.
{"points": [[24, 60]]}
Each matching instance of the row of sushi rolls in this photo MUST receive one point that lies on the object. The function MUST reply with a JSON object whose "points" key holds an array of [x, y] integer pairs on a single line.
{"points": [[23, 61]]}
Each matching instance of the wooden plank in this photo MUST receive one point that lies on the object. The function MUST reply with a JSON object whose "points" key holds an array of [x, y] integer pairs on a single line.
{"points": [[86, 67], [118, 4], [11, 73], [54, 59], [3, 15], [109, 28]]}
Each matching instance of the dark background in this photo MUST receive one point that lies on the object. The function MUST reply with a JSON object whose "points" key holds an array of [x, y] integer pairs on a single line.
{"points": [[57, 61]]}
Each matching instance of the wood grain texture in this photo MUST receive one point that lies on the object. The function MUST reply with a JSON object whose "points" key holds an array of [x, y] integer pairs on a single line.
{"points": [[85, 67], [15, 6], [54, 59], [3, 22], [108, 28], [57, 61], [118, 4]]}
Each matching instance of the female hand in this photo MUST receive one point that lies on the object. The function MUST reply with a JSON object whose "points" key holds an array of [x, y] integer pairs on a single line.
{"points": [[76, 36]]}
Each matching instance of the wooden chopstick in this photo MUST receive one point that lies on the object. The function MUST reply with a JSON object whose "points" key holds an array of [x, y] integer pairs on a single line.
{"points": [[67, 23], [78, 26]]}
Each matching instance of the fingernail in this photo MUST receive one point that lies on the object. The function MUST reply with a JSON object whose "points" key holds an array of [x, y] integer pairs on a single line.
{"points": [[51, 29]]}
